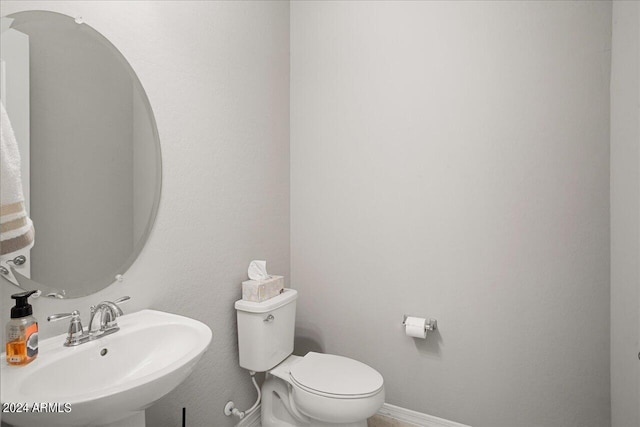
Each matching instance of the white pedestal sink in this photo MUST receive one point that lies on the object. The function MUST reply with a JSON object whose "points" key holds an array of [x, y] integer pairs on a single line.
{"points": [[109, 381]]}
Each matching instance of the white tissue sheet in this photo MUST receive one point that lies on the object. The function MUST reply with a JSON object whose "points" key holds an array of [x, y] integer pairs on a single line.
{"points": [[258, 270]]}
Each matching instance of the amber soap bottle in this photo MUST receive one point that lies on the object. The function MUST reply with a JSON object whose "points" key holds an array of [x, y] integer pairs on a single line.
{"points": [[22, 331]]}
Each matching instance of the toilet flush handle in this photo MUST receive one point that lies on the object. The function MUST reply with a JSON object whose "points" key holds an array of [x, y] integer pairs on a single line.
{"points": [[269, 318]]}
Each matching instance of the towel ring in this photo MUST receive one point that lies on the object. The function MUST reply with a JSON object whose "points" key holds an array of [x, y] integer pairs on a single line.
{"points": [[19, 260]]}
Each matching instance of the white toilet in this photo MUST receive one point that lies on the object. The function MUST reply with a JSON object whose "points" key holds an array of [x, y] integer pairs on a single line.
{"points": [[316, 390]]}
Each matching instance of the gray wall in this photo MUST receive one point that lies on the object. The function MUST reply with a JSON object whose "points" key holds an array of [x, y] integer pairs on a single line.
{"points": [[217, 76], [451, 160], [625, 214]]}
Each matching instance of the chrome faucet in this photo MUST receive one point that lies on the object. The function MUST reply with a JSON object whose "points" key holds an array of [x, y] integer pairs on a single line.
{"points": [[104, 317], [103, 322]]}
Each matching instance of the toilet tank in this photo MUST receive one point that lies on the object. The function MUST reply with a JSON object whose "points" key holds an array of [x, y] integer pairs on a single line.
{"points": [[265, 330]]}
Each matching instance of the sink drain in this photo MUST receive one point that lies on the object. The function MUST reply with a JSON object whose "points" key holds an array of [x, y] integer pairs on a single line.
{"points": [[103, 352]]}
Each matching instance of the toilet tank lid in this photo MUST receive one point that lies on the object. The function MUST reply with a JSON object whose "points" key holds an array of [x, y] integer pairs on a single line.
{"points": [[289, 295]]}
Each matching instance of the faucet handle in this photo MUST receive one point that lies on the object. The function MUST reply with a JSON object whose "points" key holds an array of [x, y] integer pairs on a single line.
{"points": [[122, 299], [76, 333], [60, 316]]}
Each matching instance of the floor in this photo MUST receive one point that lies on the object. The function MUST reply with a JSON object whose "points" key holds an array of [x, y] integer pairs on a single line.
{"points": [[382, 421]]}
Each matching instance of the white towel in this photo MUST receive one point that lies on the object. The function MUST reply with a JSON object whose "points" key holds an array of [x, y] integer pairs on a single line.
{"points": [[16, 228]]}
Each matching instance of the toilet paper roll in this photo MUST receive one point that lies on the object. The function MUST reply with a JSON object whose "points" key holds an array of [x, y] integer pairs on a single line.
{"points": [[416, 327]]}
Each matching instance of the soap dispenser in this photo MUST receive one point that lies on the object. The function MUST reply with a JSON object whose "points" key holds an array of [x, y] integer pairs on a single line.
{"points": [[22, 331]]}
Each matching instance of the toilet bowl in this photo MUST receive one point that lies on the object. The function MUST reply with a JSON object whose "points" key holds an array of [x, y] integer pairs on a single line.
{"points": [[317, 390], [321, 390]]}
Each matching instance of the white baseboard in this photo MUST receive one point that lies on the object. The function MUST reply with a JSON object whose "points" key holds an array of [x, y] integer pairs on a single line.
{"points": [[401, 414], [251, 420], [417, 418]]}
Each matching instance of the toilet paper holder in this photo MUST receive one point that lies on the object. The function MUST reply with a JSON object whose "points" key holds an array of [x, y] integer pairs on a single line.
{"points": [[430, 325]]}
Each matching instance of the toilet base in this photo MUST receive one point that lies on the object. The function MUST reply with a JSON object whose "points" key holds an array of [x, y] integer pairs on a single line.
{"points": [[277, 411]]}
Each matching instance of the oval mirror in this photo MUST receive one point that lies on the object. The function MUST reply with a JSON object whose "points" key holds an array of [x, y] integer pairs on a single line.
{"points": [[90, 154]]}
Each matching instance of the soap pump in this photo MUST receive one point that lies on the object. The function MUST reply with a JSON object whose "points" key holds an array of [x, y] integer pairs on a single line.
{"points": [[22, 331]]}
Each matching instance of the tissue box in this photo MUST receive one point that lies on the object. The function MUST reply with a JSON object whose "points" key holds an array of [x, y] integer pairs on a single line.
{"points": [[262, 290]]}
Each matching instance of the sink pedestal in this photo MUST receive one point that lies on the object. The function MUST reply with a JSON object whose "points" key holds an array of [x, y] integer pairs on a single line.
{"points": [[136, 420]]}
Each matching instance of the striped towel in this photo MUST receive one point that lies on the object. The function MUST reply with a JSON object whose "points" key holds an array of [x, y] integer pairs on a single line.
{"points": [[16, 228]]}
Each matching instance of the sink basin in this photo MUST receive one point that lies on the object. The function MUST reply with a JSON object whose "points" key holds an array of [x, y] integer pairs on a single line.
{"points": [[106, 380]]}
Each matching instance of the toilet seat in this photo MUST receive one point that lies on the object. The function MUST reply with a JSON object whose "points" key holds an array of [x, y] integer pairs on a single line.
{"points": [[335, 376]]}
